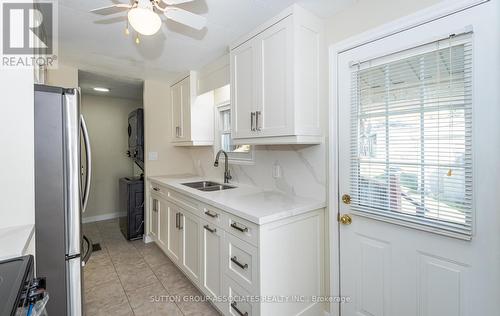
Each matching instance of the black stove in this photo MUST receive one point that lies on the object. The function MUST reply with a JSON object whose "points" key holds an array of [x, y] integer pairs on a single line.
{"points": [[18, 288]]}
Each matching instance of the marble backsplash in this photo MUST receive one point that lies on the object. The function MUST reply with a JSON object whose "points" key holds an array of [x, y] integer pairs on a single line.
{"points": [[303, 169]]}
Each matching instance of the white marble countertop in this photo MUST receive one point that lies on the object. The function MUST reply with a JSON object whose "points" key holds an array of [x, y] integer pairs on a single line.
{"points": [[248, 202], [15, 240]]}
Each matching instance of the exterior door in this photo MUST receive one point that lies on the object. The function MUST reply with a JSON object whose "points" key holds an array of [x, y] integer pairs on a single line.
{"points": [[173, 233], [243, 79], [397, 263], [190, 244]]}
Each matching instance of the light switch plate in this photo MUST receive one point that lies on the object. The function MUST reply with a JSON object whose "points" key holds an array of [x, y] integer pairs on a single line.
{"points": [[152, 155], [276, 170]]}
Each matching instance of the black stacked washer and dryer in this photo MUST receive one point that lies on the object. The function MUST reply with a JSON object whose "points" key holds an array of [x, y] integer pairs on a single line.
{"points": [[132, 188]]}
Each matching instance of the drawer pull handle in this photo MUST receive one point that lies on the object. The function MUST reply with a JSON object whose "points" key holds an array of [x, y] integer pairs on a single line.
{"points": [[237, 227], [233, 305], [210, 229], [239, 264], [156, 189], [213, 215]]}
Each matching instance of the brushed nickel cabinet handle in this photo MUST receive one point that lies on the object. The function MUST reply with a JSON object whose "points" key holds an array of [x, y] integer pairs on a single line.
{"points": [[180, 221], [210, 229], [252, 121], [258, 122], [177, 220], [242, 229], [234, 259], [213, 215], [155, 205], [233, 306]]}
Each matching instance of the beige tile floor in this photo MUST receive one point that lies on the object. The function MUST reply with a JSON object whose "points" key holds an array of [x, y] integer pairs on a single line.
{"points": [[124, 278]]}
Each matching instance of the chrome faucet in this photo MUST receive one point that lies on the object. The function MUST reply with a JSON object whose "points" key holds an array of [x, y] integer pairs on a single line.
{"points": [[227, 173]]}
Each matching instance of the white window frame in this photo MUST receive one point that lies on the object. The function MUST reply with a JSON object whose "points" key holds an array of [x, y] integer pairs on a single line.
{"points": [[241, 158]]}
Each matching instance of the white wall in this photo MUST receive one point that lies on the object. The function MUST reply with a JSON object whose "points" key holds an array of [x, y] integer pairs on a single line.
{"points": [[367, 14], [64, 76], [107, 121], [17, 144], [157, 130]]}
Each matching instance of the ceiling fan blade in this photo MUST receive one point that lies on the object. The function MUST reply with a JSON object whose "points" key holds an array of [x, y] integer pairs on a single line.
{"points": [[111, 9], [175, 2], [185, 17]]}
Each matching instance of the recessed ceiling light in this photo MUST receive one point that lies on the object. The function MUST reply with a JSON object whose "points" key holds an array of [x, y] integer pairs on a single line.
{"points": [[101, 89]]}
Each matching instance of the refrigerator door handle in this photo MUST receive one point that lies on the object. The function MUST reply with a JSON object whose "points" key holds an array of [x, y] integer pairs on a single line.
{"points": [[71, 165], [88, 160], [87, 255], [74, 286]]}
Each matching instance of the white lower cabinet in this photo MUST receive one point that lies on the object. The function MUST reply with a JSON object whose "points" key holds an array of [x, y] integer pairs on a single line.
{"points": [[240, 262], [153, 223], [162, 213], [251, 270], [190, 238], [212, 249], [239, 303], [173, 248]]}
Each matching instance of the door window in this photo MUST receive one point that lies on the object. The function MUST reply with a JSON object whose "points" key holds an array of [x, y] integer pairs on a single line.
{"points": [[411, 136]]}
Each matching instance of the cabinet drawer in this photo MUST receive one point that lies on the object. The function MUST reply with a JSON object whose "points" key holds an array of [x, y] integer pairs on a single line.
{"points": [[212, 215], [183, 201], [158, 189], [238, 300], [242, 229], [241, 262]]}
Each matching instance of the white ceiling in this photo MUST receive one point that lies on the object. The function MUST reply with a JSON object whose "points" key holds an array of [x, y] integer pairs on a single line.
{"points": [[119, 87], [99, 44]]}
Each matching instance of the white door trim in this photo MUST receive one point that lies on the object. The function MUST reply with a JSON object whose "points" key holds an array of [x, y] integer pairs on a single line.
{"points": [[441, 10]]}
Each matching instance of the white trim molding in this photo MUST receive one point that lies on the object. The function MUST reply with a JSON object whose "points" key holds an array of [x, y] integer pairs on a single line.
{"points": [[103, 217], [432, 13]]}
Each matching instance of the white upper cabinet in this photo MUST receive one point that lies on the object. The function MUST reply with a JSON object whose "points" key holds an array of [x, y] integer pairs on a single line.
{"points": [[275, 81], [192, 115]]}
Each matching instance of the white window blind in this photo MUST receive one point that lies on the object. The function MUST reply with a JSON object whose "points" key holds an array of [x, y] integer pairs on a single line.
{"points": [[236, 153], [411, 144]]}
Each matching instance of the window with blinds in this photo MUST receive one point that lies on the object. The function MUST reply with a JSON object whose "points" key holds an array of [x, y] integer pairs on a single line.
{"points": [[411, 144]]}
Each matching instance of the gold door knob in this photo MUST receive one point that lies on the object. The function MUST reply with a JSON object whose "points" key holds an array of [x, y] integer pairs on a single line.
{"points": [[346, 219], [346, 198]]}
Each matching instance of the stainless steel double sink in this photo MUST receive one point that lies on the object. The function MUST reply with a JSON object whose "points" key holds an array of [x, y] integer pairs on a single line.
{"points": [[208, 186]]}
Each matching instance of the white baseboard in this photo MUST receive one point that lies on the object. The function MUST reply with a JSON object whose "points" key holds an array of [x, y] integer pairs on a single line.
{"points": [[103, 217]]}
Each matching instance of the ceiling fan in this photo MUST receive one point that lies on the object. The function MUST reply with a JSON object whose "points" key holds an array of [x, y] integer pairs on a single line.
{"points": [[143, 15]]}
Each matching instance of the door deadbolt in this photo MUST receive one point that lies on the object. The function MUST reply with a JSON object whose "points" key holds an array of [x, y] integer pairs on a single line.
{"points": [[346, 198]]}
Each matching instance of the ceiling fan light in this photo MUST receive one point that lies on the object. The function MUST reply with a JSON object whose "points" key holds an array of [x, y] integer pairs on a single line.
{"points": [[144, 21]]}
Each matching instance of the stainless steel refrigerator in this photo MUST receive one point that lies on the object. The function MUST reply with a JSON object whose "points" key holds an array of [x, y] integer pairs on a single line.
{"points": [[62, 184]]}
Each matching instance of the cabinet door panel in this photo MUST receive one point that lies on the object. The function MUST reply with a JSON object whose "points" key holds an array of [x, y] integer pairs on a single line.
{"points": [[190, 241], [242, 89], [176, 100], [185, 118], [275, 98], [212, 238], [163, 223], [153, 228], [173, 239]]}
